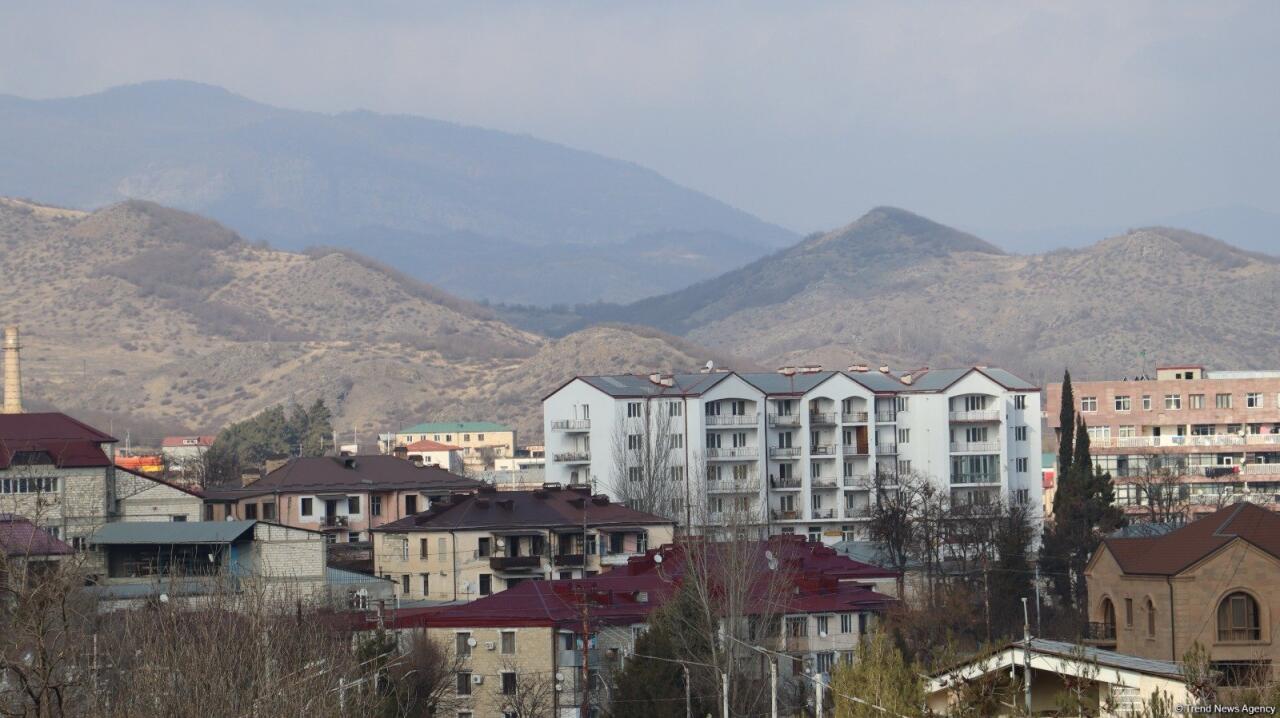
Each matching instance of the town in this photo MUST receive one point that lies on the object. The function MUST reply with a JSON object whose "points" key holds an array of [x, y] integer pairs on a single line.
{"points": [[717, 542]]}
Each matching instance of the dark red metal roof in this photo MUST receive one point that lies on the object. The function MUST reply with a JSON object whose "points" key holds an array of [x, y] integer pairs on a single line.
{"points": [[549, 507], [373, 472], [20, 537], [1174, 552], [51, 438]]}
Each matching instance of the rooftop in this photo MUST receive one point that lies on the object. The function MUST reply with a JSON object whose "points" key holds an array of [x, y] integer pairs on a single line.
{"points": [[171, 442], [362, 473], [172, 532], [545, 508], [20, 537], [1172, 553], [453, 426], [429, 445], [51, 438]]}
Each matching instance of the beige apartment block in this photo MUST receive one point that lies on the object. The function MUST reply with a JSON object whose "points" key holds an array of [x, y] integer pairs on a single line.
{"points": [[498, 667], [483, 543], [479, 441], [1211, 582]]}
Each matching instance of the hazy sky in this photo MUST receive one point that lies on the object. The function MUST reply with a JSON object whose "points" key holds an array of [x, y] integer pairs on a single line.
{"points": [[983, 115]]}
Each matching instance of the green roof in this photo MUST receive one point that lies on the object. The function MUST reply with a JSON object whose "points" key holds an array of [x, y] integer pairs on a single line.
{"points": [[440, 427]]}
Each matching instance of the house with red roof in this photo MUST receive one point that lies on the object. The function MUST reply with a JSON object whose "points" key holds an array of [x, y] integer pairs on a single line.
{"points": [[26, 548], [1211, 581], [427, 452], [482, 543], [823, 603]]}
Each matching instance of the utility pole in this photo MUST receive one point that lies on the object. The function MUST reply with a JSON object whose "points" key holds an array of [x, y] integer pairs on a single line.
{"points": [[724, 677], [688, 697], [986, 597], [1026, 653], [1039, 630], [773, 687], [817, 687]]}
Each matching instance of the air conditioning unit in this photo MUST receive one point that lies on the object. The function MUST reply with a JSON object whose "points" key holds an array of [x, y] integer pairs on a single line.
{"points": [[477, 680], [490, 645]]}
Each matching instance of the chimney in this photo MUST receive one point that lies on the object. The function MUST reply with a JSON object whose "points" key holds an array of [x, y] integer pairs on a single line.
{"points": [[12, 372]]}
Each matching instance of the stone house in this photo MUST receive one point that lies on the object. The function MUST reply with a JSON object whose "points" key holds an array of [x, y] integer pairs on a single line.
{"points": [[1211, 581]]}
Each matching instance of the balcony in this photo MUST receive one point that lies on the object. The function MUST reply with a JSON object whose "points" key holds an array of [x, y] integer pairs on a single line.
{"points": [[887, 449], [333, 522], [822, 450], [784, 452], [854, 450], [784, 515], [823, 417], [745, 486], [1143, 442], [976, 415], [857, 481], [573, 658], [853, 417], [572, 457], [975, 447], [823, 483], [733, 452], [887, 416], [857, 513], [515, 563], [785, 484], [1100, 634], [819, 514], [570, 559], [731, 420], [784, 420], [571, 425], [984, 478]]}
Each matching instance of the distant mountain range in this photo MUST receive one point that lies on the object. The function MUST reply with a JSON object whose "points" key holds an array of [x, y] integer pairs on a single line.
{"points": [[894, 286], [483, 214], [148, 319]]}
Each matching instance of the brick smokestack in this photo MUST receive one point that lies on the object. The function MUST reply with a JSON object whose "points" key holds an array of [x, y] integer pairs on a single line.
{"points": [[12, 372]]}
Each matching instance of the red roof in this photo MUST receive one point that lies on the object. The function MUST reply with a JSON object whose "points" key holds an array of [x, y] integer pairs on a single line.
{"points": [[51, 438], [429, 445], [174, 442], [20, 537], [819, 580], [1174, 552], [548, 507]]}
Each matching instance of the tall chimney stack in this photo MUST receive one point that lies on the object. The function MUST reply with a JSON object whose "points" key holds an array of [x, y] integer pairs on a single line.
{"points": [[12, 372]]}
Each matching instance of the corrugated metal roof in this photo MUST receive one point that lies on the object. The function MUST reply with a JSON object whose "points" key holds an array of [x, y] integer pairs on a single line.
{"points": [[1110, 659], [1009, 379], [624, 385], [166, 532], [771, 382]]}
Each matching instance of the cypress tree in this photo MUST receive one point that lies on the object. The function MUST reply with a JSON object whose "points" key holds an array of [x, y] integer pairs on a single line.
{"points": [[1066, 425]]}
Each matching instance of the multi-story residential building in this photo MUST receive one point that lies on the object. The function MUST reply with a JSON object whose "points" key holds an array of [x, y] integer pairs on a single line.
{"points": [[492, 540], [342, 496], [177, 449], [801, 450], [59, 473], [1218, 431], [433, 453], [1209, 582], [481, 441], [824, 605]]}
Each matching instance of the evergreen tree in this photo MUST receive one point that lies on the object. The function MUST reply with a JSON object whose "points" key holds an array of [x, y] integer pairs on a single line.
{"points": [[272, 432], [652, 688], [881, 676], [1066, 425], [318, 436]]}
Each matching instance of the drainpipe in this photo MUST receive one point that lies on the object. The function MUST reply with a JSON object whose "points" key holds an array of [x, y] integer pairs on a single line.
{"points": [[1173, 633], [453, 546]]}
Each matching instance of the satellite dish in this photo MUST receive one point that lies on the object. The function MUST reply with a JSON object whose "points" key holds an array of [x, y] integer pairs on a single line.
{"points": [[657, 558], [471, 642], [559, 676], [768, 555], [230, 518], [164, 598], [502, 543], [822, 634]]}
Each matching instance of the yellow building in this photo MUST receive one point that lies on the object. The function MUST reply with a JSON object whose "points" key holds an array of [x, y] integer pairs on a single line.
{"points": [[480, 441]]}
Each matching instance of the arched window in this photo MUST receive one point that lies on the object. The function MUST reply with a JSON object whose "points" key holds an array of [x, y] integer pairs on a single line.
{"points": [[1151, 617], [1108, 618], [1238, 618]]}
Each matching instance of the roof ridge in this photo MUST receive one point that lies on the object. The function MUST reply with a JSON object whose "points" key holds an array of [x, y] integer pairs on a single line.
{"points": [[1235, 512]]}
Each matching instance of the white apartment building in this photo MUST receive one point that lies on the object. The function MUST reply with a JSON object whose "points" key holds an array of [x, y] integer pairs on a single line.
{"points": [[801, 450]]}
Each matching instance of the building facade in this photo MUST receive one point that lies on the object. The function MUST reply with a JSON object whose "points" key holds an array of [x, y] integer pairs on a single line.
{"points": [[341, 496], [493, 540], [803, 451], [1218, 432], [480, 441], [1208, 582]]}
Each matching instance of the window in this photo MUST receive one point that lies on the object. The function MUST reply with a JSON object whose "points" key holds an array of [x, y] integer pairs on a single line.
{"points": [[797, 627], [1021, 496], [422, 548], [483, 546], [1128, 612], [1238, 618], [677, 441], [1195, 401], [508, 683], [353, 505], [1146, 403], [177, 517], [1151, 618], [1088, 403], [904, 436], [426, 584], [904, 466], [1173, 401], [269, 511], [462, 644], [1222, 401], [826, 661], [846, 623], [634, 442], [486, 584], [1253, 400], [712, 408], [1019, 433], [824, 624], [441, 547], [1020, 465], [1109, 617], [508, 643], [1019, 401], [464, 684], [675, 408], [1128, 431], [633, 473], [1123, 403], [479, 437], [404, 583], [901, 403], [306, 507], [410, 505], [208, 512], [633, 410], [677, 473], [375, 505], [250, 511]]}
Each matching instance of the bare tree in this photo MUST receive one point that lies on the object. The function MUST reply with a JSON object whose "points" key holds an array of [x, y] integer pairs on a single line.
{"points": [[1160, 495], [531, 695], [649, 473]]}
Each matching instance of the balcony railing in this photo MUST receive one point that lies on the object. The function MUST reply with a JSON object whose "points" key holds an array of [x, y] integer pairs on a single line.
{"points": [[853, 417], [570, 559], [1098, 632], [571, 425], [981, 447], [887, 416], [823, 417], [823, 483], [887, 449], [981, 478], [745, 486], [784, 515], [733, 452], [784, 483], [573, 457], [513, 563], [824, 513], [784, 420], [784, 452], [333, 522], [1142, 442], [854, 450], [857, 512], [976, 415], [733, 419], [857, 480], [822, 450]]}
